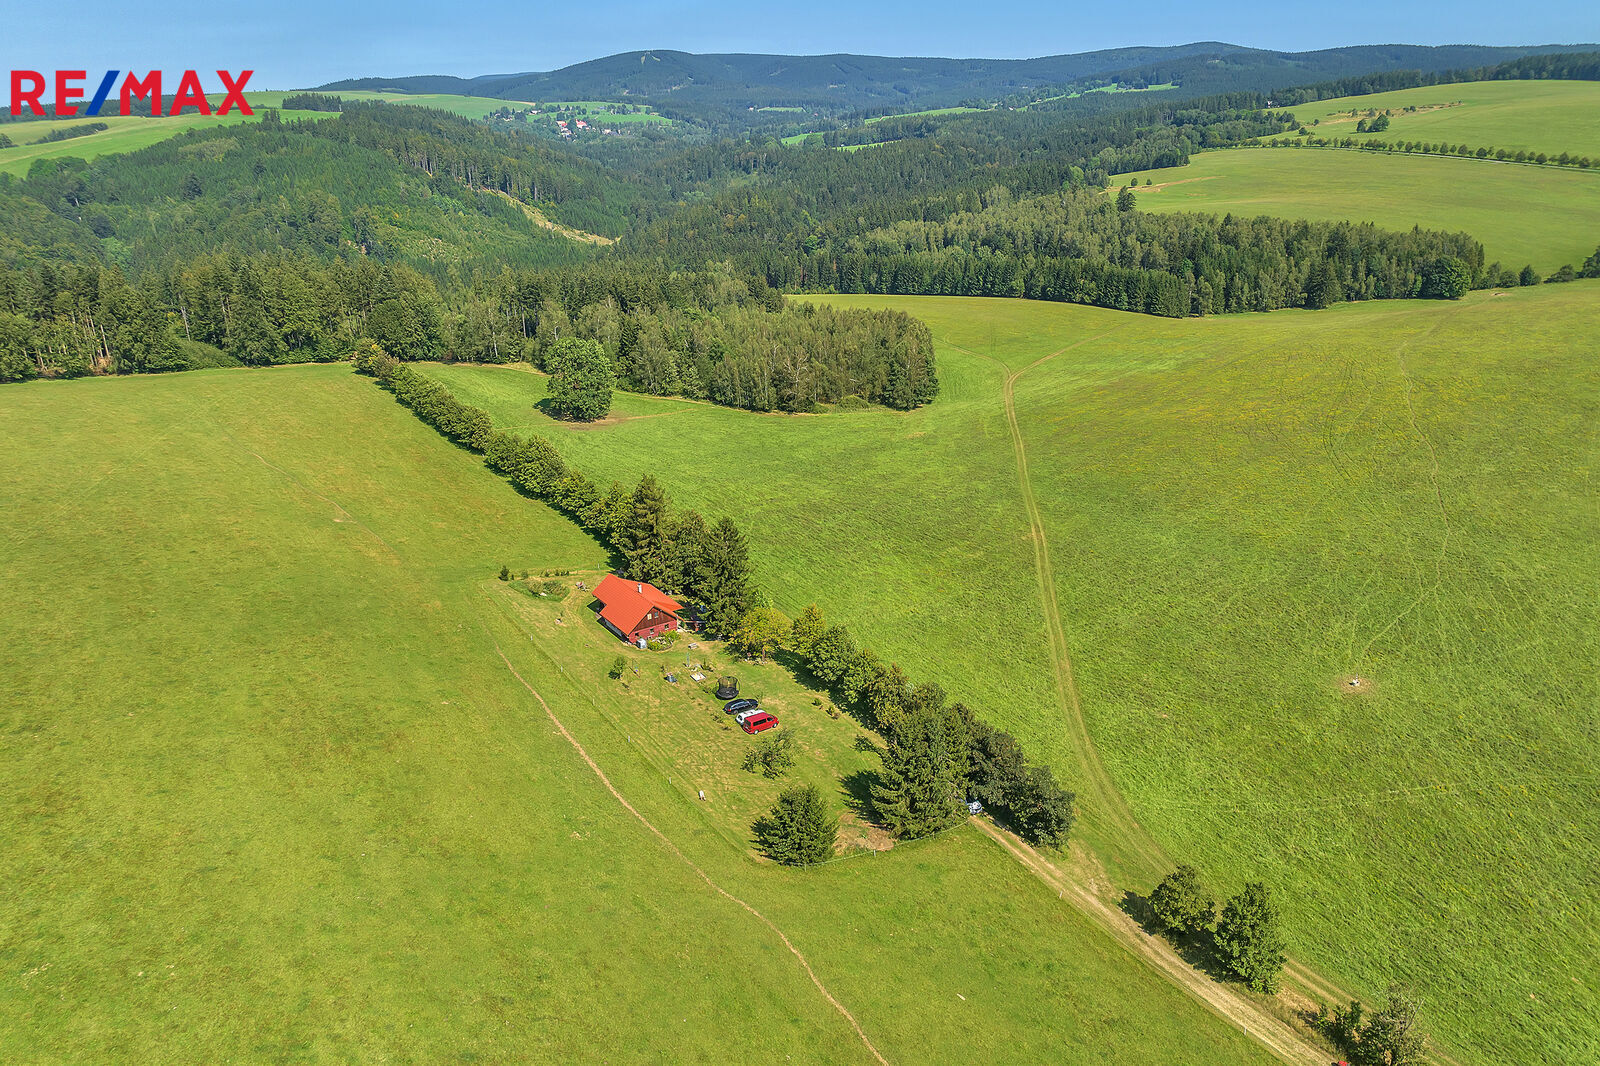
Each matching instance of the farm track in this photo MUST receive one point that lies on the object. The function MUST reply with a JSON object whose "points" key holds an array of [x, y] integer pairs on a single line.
{"points": [[1276, 1036], [1114, 811], [1108, 807], [673, 848]]}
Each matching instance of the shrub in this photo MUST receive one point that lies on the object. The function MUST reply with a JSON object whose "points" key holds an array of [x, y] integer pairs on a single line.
{"points": [[772, 756], [618, 665]]}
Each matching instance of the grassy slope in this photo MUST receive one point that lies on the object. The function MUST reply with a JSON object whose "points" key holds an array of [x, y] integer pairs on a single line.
{"points": [[1242, 511], [1535, 116], [125, 134], [1554, 216], [271, 796]]}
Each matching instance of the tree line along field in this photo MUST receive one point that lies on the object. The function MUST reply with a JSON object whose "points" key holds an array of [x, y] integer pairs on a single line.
{"points": [[1243, 513], [1533, 116], [1544, 216], [272, 792]]}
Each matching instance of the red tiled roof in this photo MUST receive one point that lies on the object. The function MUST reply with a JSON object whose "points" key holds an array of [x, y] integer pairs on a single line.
{"points": [[625, 603]]}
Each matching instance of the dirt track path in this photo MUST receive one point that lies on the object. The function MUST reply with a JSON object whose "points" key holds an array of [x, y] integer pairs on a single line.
{"points": [[1113, 815], [1276, 1036], [1106, 806]]}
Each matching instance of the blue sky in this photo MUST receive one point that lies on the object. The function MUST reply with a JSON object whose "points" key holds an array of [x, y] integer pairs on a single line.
{"points": [[298, 43]]}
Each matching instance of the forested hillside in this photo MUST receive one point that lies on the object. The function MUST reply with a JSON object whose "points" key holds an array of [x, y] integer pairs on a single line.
{"points": [[729, 92], [1081, 247], [440, 237]]}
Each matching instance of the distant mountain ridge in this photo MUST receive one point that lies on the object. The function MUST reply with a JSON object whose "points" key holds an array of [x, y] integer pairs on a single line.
{"points": [[722, 85]]}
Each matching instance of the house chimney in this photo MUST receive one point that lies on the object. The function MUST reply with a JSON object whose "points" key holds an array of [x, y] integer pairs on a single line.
{"points": [[641, 588]]}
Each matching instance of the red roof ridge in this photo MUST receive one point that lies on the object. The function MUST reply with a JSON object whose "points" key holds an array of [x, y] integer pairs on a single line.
{"points": [[624, 603]]}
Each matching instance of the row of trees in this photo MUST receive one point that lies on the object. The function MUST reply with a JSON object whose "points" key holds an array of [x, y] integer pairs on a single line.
{"points": [[1463, 151], [706, 562], [938, 754]]}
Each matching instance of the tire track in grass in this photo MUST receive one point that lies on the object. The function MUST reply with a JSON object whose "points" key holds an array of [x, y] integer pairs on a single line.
{"points": [[1284, 1042], [1108, 803], [665, 840], [1275, 1035]]}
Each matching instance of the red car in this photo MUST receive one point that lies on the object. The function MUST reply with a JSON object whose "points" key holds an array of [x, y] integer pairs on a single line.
{"points": [[757, 722]]}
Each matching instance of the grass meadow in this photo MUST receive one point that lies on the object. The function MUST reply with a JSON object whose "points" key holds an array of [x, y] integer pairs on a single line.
{"points": [[1546, 216], [272, 795], [125, 133], [1243, 514], [1532, 116]]}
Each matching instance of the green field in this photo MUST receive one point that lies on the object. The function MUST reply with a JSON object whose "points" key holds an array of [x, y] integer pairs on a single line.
{"points": [[597, 109], [125, 134], [272, 795], [1534, 116], [1242, 513], [1547, 216]]}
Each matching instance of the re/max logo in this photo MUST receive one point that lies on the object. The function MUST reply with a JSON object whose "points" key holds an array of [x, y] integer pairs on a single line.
{"points": [[27, 86]]}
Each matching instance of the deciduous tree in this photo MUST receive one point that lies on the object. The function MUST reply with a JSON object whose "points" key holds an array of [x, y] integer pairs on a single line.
{"points": [[1249, 938], [581, 379], [1181, 903], [805, 631]]}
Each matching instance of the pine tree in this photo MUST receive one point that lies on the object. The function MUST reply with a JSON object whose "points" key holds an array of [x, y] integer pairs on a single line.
{"points": [[646, 541], [799, 831], [686, 536], [723, 577], [921, 791]]}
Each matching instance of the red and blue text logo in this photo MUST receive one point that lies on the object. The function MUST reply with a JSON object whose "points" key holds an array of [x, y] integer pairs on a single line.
{"points": [[28, 86]]}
